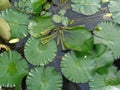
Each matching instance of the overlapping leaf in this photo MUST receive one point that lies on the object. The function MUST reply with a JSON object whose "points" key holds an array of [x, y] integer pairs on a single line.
{"points": [[103, 56], [44, 79], [78, 38], [87, 7], [13, 69], [39, 25], [39, 54], [17, 21], [108, 81], [115, 10], [109, 35], [77, 69]]}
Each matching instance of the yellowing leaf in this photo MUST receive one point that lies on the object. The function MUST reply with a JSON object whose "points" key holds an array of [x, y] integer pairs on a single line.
{"points": [[14, 40], [104, 1], [4, 4], [4, 47], [107, 16], [4, 29]]}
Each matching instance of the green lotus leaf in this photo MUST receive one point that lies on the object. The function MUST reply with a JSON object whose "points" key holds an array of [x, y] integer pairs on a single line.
{"points": [[4, 30], [87, 7], [115, 10], [78, 38], [77, 69], [13, 69], [108, 81], [108, 35], [44, 79], [38, 53], [39, 25], [37, 5], [17, 21]]}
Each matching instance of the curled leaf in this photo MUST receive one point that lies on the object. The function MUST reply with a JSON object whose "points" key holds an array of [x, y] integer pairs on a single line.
{"points": [[2, 46]]}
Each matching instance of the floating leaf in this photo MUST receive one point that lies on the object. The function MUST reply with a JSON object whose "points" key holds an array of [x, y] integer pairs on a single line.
{"points": [[13, 69], [56, 18], [37, 5], [17, 21], [78, 38], [39, 25], [38, 53], [65, 20], [109, 36], [44, 79], [4, 29], [115, 10], [77, 69], [4, 4], [62, 12], [109, 81], [87, 7]]}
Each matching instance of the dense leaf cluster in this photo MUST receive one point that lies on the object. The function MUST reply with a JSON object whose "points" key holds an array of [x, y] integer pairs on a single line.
{"points": [[90, 54]]}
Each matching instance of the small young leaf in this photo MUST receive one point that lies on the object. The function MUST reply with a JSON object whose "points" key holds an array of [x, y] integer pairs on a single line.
{"points": [[62, 12], [57, 18], [65, 20]]}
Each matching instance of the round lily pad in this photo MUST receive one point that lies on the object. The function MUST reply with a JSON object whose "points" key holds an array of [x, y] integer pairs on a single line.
{"points": [[87, 7], [78, 70], [13, 69], [38, 53], [44, 79]]}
